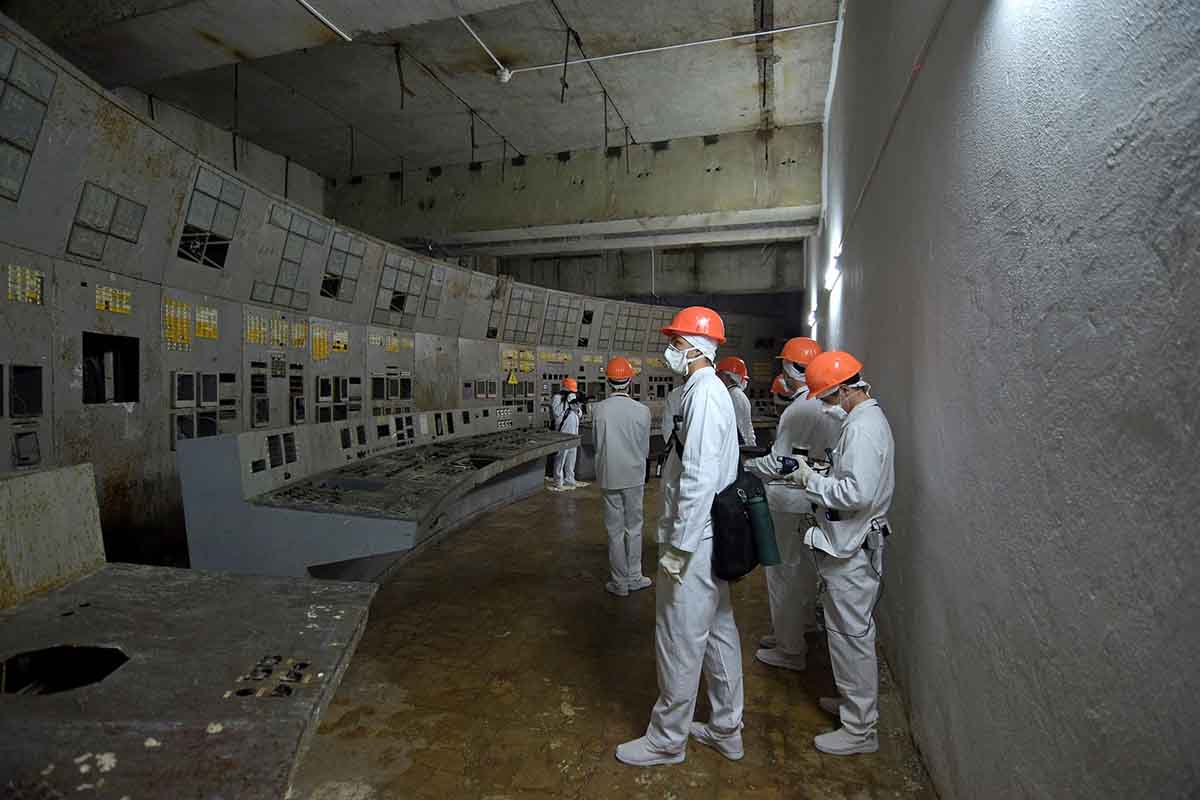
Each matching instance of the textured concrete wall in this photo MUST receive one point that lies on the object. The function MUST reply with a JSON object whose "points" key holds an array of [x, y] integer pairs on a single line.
{"points": [[750, 269], [49, 531], [271, 171], [739, 171], [1022, 280]]}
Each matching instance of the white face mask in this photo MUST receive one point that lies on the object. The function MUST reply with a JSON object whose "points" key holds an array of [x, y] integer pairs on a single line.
{"points": [[678, 361], [797, 375], [834, 411]]}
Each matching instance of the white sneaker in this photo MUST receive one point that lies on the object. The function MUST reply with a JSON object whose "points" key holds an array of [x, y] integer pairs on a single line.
{"points": [[831, 705], [728, 746], [614, 588], [581, 484], [570, 487], [768, 642], [640, 753], [639, 583], [843, 743], [778, 658]]}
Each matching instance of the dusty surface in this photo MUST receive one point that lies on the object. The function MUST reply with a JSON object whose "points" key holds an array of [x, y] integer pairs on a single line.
{"points": [[215, 690], [496, 666]]}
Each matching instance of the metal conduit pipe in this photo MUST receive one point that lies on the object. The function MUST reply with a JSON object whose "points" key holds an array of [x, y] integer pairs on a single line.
{"points": [[503, 73], [592, 59], [324, 20]]}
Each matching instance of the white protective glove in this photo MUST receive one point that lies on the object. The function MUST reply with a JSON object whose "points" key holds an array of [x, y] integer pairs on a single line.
{"points": [[802, 473], [674, 562]]}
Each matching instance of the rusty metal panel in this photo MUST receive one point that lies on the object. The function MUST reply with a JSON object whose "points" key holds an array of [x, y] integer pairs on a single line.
{"points": [[123, 435], [481, 377], [27, 346], [110, 148], [436, 373], [49, 531]]}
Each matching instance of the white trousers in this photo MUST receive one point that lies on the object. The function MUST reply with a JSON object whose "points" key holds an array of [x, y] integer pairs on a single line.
{"points": [[851, 589], [623, 521], [694, 631], [564, 467], [791, 586]]}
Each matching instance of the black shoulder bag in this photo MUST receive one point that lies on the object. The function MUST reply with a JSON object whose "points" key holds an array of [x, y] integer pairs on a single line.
{"points": [[740, 518]]}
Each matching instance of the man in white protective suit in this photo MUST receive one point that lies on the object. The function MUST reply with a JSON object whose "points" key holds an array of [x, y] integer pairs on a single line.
{"points": [[694, 628], [621, 436], [736, 375], [558, 404], [848, 540], [807, 426], [564, 466]]}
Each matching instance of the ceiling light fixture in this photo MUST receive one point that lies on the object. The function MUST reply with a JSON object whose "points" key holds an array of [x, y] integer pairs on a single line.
{"points": [[324, 20]]}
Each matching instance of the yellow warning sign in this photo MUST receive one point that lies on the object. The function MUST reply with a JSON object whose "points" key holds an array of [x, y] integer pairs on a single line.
{"points": [[512, 378]]}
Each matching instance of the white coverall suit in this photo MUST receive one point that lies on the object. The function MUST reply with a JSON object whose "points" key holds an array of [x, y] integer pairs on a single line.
{"points": [[859, 489], [792, 586], [621, 435], [742, 411], [557, 404], [564, 466], [694, 628]]}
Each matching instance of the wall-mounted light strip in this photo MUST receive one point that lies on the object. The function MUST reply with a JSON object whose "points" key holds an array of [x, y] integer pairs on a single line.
{"points": [[324, 20]]}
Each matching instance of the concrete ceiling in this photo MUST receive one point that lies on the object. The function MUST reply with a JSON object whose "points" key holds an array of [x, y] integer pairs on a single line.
{"points": [[301, 90]]}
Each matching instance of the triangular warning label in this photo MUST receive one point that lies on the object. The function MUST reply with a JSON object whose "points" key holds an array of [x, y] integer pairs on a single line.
{"points": [[512, 377]]}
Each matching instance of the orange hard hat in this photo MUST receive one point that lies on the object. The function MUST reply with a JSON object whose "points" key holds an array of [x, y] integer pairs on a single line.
{"points": [[800, 350], [735, 365], [618, 369], [780, 387], [829, 370], [570, 385], [697, 321]]}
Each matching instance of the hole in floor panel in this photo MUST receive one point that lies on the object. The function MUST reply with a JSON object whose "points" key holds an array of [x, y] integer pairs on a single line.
{"points": [[58, 669]]}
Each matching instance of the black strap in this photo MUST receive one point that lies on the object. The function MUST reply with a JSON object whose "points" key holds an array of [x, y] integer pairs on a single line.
{"points": [[674, 438]]}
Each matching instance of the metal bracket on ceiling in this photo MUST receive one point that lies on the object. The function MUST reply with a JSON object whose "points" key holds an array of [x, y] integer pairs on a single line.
{"points": [[400, 73], [562, 97]]}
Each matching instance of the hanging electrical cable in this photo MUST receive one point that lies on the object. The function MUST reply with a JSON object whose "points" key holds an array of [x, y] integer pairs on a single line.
{"points": [[400, 74], [585, 60]]}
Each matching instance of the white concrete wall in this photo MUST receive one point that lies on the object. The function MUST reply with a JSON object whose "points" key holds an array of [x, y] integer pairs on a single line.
{"points": [[1022, 281]]}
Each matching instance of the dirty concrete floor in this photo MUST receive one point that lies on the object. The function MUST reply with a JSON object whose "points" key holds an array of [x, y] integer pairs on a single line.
{"points": [[496, 666]]}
